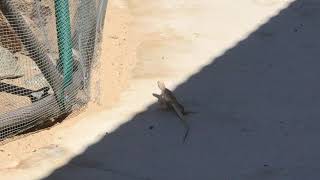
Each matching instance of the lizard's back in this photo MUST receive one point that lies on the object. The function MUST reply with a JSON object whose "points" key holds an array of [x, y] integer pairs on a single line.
{"points": [[170, 99]]}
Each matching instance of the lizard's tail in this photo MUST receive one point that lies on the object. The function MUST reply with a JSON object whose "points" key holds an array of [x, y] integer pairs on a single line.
{"points": [[186, 134], [183, 120], [178, 111]]}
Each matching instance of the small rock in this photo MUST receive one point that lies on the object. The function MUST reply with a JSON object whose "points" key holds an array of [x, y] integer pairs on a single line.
{"points": [[114, 37], [8, 64], [151, 127]]}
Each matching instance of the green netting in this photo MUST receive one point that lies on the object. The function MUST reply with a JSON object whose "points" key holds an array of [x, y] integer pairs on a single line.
{"points": [[47, 52]]}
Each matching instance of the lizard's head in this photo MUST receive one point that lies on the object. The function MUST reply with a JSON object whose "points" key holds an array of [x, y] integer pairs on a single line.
{"points": [[156, 95]]}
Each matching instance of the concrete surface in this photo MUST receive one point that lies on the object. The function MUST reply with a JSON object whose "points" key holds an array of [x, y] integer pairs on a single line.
{"points": [[250, 70]]}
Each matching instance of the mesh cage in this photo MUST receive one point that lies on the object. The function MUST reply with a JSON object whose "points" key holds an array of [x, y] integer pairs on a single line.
{"points": [[42, 76]]}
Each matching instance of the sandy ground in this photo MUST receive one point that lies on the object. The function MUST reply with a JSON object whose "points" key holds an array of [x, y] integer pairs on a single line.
{"points": [[238, 64], [110, 76]]}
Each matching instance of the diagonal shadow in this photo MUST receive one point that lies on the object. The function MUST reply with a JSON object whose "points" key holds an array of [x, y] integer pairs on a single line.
{"points": [[258, 115]]}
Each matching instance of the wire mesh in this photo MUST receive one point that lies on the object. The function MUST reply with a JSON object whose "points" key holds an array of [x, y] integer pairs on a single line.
{"points": [[31, 70]]}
